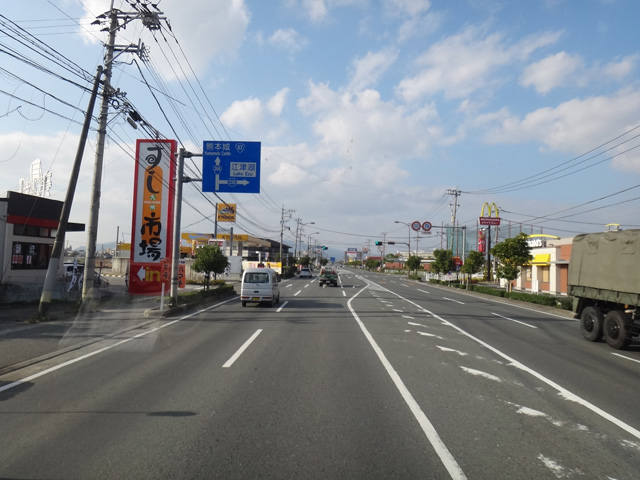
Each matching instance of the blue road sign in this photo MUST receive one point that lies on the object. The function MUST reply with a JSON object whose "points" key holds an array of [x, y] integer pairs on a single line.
{"points": [[232, 167]]}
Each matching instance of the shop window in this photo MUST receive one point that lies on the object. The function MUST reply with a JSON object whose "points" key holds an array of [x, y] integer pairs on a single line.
{"points": [[544, 271], [33, 231], [30, 256]]}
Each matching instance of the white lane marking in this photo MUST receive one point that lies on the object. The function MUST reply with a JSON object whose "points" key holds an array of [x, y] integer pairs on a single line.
{"points": [[423, 291], [289, 285], [438, 445], [344, 294], [240, 351], [452, 300], [513, 320], [281, 307], [109, 347], [518, 306], [306, 285], [480, 373], [416, 324], [563, 392], [425, 334], [297, 293], [407, 316], [625, 357], [405, 285], [447, 349], [396, 310]]}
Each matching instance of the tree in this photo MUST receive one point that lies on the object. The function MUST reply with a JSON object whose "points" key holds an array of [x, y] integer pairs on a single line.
{"points": [[305, 261], [473, 263], [512, 254], [371, 264], [413, 262], [324, 261], [209, 259], [443, 261]]}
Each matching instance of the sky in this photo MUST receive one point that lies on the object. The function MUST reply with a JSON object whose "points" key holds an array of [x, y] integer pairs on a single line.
{"points": [[368, 112]]}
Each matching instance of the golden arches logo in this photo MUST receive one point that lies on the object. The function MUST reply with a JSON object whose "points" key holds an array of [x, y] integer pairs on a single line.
{"points": [[492, 210]]}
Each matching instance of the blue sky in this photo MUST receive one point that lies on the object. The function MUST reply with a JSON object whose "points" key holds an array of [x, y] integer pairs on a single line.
{"points": [[368, 111]]}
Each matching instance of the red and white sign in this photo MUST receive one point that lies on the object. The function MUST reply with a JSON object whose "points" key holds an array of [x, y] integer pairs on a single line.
{"points": [[489, 220], [152, 225]]}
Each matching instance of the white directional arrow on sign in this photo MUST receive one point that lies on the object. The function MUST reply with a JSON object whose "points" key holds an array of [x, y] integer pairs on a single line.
{"points": [[141, 274]]}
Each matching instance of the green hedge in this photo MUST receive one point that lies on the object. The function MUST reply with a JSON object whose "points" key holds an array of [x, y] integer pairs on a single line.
{"points": [[188, 298]]}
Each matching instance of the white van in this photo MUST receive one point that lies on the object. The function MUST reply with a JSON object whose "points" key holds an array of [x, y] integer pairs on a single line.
{"points": [[260, 285]]}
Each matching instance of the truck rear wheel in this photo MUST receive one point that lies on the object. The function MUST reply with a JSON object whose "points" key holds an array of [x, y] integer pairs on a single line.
{"points": [[616, 331], [591, 321]]}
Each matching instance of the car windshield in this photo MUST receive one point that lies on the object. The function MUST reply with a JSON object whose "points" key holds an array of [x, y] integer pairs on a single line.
{"points": [[257, 277]]}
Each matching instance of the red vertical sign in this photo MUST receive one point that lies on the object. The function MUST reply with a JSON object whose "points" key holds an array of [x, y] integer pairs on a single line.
{"points": [[152, 225]]}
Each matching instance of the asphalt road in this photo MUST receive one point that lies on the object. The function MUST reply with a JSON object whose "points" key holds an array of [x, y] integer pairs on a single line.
{"points": [[378, 378]]}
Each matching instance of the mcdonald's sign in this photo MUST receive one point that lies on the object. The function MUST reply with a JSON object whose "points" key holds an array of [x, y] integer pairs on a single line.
{"points": [[489, 215]]}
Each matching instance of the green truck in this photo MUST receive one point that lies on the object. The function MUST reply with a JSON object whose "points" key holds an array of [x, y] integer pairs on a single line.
{"points": [[604, 281], [328, 275]]}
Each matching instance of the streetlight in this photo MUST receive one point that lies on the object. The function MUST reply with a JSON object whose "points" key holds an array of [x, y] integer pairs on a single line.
{"points": [[300, 226], [408, 244], [309, 242]]}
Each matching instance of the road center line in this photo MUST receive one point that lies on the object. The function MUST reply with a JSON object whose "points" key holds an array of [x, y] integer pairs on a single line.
{"points": [[438, 445], [236, 355], [297, 293], [423, 291], [513, 320], [563, 392]]}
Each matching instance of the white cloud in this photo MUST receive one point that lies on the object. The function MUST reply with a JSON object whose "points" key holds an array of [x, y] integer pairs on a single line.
{"points": [[258, 119], [464, 63], [368, 69], [572, 127], [205, 30], [551, 72], [288, 39], [620, 70]]}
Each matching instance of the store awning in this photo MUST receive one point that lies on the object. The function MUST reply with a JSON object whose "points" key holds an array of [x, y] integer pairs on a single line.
{"points": [[541, 259]]}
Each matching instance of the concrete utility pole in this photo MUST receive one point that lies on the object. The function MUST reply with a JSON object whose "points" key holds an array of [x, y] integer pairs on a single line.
{"points": [[282, 220], [56, 253], [150, 20], [454, 210]]}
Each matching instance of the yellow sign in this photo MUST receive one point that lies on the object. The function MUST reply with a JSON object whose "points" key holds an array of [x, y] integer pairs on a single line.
{"points": [[236, 238], [226, 212], [490, 209], [487, 214]]}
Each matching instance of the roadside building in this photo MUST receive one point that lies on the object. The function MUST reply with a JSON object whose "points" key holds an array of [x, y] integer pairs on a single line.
{"points": [[28, 226], [548, 272]]}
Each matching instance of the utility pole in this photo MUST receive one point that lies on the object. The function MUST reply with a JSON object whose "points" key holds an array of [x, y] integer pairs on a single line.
{"points": [[454, 209], [56, 253], [282, 220], [152, 22]]}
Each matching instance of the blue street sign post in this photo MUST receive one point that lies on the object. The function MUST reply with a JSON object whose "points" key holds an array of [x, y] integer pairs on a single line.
{"points": [[231, 167]]}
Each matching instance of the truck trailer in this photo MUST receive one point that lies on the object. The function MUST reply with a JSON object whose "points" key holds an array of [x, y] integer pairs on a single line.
{"points": [[604, 281]]}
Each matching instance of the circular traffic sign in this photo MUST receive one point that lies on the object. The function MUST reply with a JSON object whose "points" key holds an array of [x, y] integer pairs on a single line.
{"points": [[426, 226], [415, 226]]}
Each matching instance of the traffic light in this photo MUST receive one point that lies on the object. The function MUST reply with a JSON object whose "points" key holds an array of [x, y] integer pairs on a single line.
{"points": [[378, 242], [325, 248]]}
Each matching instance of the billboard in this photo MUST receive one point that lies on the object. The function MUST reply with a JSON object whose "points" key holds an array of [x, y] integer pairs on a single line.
{"points": [[152, 222], [226, 212]]}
